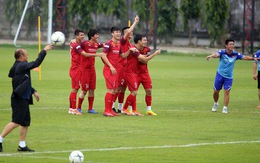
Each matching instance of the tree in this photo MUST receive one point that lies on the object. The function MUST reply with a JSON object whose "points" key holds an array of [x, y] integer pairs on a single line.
{"points": [[167, 11], [216, 16], [190, 10]]}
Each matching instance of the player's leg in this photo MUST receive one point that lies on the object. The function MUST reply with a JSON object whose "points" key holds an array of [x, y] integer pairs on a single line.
{"points": [[121, 96], [218, 83], [91, 102], [227, 88], [258, 86], [75, 84]]}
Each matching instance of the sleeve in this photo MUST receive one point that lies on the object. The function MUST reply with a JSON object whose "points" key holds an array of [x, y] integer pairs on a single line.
{"points": [[31, 65], [78, 49], [106, 48]]}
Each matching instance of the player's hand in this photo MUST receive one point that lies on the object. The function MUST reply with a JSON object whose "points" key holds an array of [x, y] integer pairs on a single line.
{"points": [[137, 18], [99, 54], [36, 95], [48, 47], [209, 57], [73, 41], [133, 49], [158, 51], [113, 70]]}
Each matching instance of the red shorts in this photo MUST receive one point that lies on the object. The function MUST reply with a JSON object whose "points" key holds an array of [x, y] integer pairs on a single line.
{"points": [[131, 81], [75, 79], [121, 77], [145, 80], [111, 79], [88, 79]]}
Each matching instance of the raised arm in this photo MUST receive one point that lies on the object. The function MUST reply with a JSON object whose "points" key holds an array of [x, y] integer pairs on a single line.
{"points": [[131, 29], [145, 59]]}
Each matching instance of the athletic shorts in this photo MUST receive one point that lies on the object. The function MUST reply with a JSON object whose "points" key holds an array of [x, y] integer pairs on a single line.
{"points": [[110, 79], [75, 79], [258, 80], [121, 77], [20, 111], [221, 81], [131, 81], [145, 80], [88, 79]]}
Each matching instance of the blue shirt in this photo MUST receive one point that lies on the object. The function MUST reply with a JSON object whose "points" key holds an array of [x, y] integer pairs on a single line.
{"points": [[227, 62], [257, 55]]}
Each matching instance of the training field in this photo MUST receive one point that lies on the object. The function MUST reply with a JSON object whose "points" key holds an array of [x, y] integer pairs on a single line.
{"points": [[185, 129]]}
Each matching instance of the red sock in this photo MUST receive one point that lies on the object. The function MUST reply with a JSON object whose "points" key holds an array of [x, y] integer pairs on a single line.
{"points": [[80, 101], [73, 100], [108, 102], [90, 103], [134, 104], [115, 96], [129, 101], [148, 100], [121, 97]]}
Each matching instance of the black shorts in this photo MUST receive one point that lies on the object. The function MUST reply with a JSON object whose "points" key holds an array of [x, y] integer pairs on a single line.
{"points": [[258, 80], [21, 111]]}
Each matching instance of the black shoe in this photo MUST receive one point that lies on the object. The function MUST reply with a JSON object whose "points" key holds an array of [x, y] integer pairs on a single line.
{"points": [[24, 149], [1, 148], [114, 109], [118, 111]]}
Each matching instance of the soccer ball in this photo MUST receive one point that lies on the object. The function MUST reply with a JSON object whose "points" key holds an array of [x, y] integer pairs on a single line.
{"points": [[57, 38], [76, 157]]}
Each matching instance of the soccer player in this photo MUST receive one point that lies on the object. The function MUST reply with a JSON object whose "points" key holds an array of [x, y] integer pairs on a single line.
{"points": [[88, 71], [224, 75], [75, 74], [256, 73], [21, 97], [131, 73], [145, 79], [125, 46], [111, 54]]}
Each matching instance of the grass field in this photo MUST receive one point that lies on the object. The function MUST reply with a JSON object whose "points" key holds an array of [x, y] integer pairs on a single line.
{"points": [[185, 129]]}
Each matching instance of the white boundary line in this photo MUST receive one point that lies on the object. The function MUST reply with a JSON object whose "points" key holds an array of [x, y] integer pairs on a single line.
{"points": [[130, 148]]}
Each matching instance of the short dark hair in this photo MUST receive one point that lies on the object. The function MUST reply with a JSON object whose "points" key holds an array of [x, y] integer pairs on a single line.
{"points": [[91, 33], [18, 53], [123, 30], [228, 40], [77, 31], [114, 29], [138, 37]]}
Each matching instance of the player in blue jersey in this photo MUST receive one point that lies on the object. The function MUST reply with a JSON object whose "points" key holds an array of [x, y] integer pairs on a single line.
{"points": [[256, 73], [224, 76]]}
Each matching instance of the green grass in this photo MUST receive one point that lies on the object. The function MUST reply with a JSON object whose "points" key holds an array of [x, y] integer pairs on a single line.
{"points": [[185, 129]]}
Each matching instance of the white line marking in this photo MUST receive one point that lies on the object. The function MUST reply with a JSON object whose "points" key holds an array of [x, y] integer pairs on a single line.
{"points": [[131, 148]]}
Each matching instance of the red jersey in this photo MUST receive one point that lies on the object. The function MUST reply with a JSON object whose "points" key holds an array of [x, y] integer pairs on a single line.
{"points": [[125, 46], [88, 47], [113, 51], [132, 62], [75, 53], [142, 67]]}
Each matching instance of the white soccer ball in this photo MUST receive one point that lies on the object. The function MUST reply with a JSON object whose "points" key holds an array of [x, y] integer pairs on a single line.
{"points": [[57, 38], [76, 157]]}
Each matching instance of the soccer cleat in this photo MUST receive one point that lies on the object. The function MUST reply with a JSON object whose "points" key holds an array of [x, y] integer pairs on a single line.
{"points": [[127, 112], [92, 111], [214, 107], [114, 109], [79, 110], [150, 112], [114, 113], [1, 148], [107, 114], [137, 113], [71, 111], [24, 149], [224, 110], [118, 111]]}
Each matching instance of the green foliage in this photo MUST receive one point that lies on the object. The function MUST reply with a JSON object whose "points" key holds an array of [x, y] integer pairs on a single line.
{"points": [[167, 16], [216, 16]]}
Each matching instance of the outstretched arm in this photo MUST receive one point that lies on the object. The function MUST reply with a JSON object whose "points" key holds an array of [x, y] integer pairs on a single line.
{"points": [[131, 29], [145, 59], [216, 55]]}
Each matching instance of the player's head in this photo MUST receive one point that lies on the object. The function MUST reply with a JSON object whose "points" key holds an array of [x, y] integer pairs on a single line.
{"points": [[125, 30], [116, 33], [93, 33], [21, 54], [141, 40], [79, 34], [230, 44]]}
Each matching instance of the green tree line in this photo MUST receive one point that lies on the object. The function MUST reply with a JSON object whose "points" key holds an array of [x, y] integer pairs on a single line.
{"points": [[160, 19]]}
